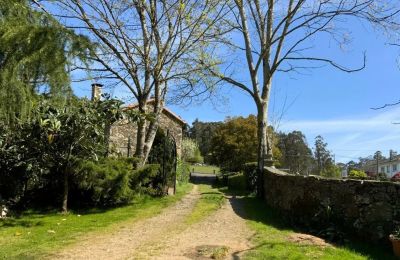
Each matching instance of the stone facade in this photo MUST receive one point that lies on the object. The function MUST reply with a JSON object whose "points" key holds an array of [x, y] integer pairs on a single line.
{"points": [[369, 210], [123, 134]]}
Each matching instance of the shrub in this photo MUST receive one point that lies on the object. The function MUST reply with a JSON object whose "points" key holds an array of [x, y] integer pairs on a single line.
{"points": [[250, 171], [147, 180], [331, 171], [114, 181], [106, 182], [190, 151], [163, 152], [182, 171], [357, 174], [237, 182], [383, 177]]}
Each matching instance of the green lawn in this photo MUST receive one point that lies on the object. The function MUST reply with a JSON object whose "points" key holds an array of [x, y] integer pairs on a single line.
{"points": [[204, 169], [32, 235], [210, 201], [272, 239]]}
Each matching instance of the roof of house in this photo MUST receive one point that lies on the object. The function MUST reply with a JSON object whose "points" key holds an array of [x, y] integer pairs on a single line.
{"points": [[165, 110], [395, 158]]}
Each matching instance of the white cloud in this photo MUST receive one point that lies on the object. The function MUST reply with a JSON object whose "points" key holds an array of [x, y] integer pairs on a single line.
{"points": [[352, 137]]}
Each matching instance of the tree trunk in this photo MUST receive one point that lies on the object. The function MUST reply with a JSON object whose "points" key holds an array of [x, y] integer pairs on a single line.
{"points": [[151, 134], [152, 131], [262, 147], [65, 193], [141, 132]]}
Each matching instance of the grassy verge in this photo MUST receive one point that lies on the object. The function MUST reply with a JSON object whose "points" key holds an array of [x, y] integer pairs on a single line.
{"points": [[204, 169], [272, 239], [210, 201], [32, 235]]}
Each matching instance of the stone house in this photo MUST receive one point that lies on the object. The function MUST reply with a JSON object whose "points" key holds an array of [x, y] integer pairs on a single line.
{"points": [[122, 138]]}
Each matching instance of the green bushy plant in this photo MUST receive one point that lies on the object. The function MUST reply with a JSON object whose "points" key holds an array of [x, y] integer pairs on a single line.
{"points": [[115, 181], [182, 171], [331, 171], [237, 182], [357, 174], [383, 177], [147, 180], [44, 150], [106, 182], [250, 173]]}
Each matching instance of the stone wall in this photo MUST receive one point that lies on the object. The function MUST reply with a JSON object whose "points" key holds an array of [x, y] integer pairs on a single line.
{"points": [[122, 131], [369, 210]]}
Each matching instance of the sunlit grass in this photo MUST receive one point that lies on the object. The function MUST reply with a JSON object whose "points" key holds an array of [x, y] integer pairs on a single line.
{"points": [[272, 239], [210, 201], [33, 235], [209, 169]]}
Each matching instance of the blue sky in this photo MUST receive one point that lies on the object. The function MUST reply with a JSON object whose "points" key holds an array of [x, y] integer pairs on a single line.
{"points": [[325, 101]]}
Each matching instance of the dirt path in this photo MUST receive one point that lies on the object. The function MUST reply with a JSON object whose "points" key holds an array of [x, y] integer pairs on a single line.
{"points": [[223, 235], [166, 237]]}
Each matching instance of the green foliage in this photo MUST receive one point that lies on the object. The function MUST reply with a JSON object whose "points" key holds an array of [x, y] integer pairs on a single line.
{"points": [[190, 151], [331, 171], [234, 143], [296, 155], [197, 158], [250, 172], [105, 182], [211, 200], [114, 181], [383, 177], [323, 157], [208, 169], [147, 180], [41, 152], [276, 239], [203, 133], [163, 152], [35, 242], [357, 174], [35, 52], [237, 182], [14, 164], [182, 171]]}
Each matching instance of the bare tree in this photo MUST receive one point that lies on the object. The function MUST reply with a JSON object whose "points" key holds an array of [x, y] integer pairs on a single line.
{"points": [[276, 36], [145, 46]]}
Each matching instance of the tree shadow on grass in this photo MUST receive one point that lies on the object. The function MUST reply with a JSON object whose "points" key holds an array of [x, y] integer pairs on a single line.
{"points": [[15, 222], [255, 209]]}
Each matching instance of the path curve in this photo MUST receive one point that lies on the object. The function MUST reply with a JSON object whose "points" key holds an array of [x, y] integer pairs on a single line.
{"points": [[123, 242], [165, 236], [224, 229]]}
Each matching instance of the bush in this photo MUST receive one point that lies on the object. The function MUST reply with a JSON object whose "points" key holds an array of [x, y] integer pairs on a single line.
{"points": [[237, 182], [357, 174], [106, 182], [331, 171], [113, 181], [383, 177], [182, 171], [191, 152], [250, 171], [147, 180]]}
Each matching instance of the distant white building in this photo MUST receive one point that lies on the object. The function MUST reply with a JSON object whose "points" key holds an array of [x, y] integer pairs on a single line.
{"points": [[343, 170], [389, 166]]}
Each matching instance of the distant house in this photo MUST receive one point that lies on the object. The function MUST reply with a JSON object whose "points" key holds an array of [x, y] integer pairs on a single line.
{"points": [[122, 137], [343, 169], [389, 166]]}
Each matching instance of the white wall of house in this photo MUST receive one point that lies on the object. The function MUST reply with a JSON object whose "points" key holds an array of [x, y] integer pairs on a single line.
{"points": [[389, 168]]}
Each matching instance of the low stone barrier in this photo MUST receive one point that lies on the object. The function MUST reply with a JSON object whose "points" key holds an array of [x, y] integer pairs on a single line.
{"points": [[369, 210]]}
